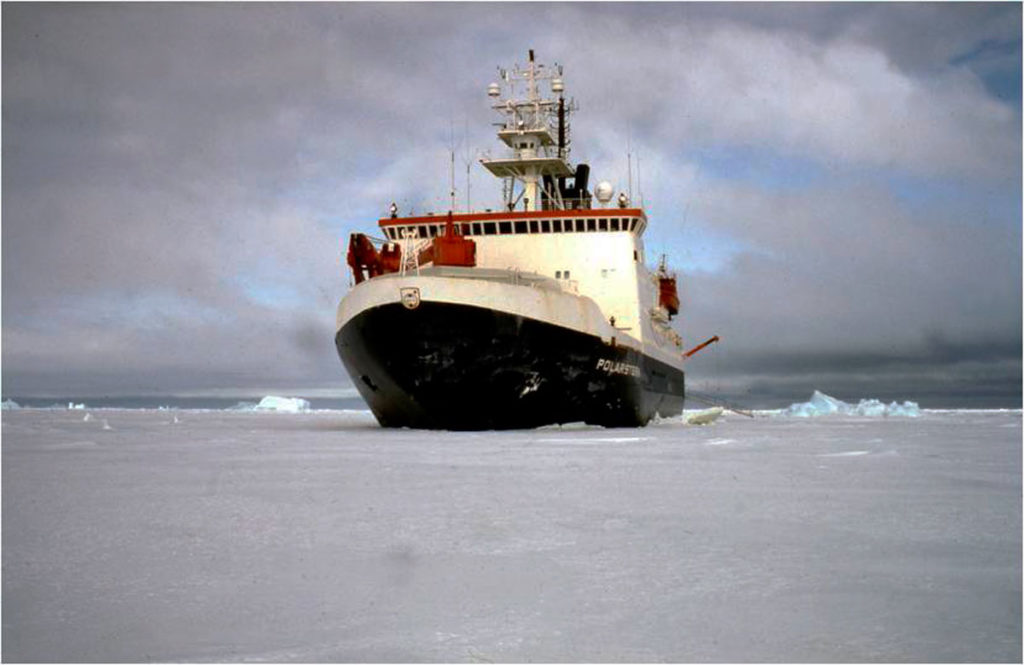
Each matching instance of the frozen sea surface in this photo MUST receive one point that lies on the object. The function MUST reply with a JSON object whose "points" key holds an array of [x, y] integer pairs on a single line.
{"points": [[189, 536]]}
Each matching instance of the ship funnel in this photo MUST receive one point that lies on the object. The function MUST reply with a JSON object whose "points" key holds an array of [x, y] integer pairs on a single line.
{"points": [[582, 175]]}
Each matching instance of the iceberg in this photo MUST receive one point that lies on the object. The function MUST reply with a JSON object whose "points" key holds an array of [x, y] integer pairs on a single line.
{"points": [[282, 404], [9, 405], [821, 404]]}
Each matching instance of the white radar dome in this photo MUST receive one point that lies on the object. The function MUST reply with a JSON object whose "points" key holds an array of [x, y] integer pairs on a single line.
{"points": [[493, 90], [604, 191], [557, 85]]}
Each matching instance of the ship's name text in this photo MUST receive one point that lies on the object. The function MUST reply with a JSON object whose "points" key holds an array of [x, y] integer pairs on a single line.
{"points": [[613, 367]]}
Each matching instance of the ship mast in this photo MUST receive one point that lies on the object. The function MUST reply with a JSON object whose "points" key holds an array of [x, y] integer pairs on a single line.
{"points": [[535, 128]]}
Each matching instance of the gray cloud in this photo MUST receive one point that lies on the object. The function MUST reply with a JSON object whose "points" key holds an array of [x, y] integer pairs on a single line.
{"points": [[179, 179]]}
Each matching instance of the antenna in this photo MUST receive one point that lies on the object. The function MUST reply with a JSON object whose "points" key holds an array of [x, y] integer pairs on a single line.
{"points": [[467, 158], [629, 164], [451, 149], [639, 189]]}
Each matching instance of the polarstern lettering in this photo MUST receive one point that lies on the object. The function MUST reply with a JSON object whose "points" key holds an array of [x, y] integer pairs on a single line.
{"points": [[613, 367]]}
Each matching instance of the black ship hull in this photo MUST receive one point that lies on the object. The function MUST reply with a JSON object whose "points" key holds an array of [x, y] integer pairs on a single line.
{"points": [[458, 367]]}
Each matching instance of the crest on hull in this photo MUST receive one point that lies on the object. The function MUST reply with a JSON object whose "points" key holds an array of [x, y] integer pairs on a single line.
{"points": [[410, 297]]}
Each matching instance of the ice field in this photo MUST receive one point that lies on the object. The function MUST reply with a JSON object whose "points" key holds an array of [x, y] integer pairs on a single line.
{"points": [[141, 535]]}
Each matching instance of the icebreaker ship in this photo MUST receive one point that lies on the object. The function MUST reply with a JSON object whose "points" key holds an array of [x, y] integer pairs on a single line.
{"points": [[537, 312]]}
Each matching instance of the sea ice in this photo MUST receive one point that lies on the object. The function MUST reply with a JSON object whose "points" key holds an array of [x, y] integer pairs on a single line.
{"points": [[322, 537], [821, 404]]}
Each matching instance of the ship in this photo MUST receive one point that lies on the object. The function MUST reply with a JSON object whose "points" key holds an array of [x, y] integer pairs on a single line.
{"points": [[540, 311]]}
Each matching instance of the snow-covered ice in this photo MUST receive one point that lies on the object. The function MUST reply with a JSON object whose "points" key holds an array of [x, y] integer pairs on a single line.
{"points": [[318, 536]]}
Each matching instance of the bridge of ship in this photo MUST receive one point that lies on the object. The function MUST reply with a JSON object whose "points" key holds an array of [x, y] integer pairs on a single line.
{"points": [[631, 220]]}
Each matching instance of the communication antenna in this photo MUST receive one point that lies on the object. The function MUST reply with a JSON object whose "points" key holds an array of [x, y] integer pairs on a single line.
{"points": [[466, 158], [629, 165], [639, 189], [451, 150]]}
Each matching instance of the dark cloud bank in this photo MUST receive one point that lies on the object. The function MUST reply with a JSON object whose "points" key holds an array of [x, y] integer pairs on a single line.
{"points": [[839, 183]]}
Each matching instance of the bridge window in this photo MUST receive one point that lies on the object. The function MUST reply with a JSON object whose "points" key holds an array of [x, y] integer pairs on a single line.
{"points": [[489, 229], [591, 224], [602, 224], [615, 223], [520, 227], [545, 226], [476, 228], [504, 227], [533, 226]]}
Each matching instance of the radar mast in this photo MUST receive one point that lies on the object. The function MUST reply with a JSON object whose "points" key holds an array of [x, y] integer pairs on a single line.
{"points": [[535, 127]]}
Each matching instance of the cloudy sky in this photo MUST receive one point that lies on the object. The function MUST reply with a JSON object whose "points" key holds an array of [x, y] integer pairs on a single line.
{"points": [[839, 185]]}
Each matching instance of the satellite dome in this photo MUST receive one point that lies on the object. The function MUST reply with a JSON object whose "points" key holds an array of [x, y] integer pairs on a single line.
{"points": [[604, 191], [557, 85], [493, 90]]}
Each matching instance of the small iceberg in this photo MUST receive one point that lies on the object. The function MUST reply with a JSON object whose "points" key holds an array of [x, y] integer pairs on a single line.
{"points": [[9, 405], [76, 407], [821, 404], [282, 404]]}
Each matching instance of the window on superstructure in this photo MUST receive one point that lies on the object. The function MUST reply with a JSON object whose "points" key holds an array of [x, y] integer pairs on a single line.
{"points": [[545, 226], [558, 274], [520, 227], [476, 228], [422, 231], [466, 228], [565, 274], [534, 226], [591, 224], [504, 227], [632, 224], [489, 229], [557, 225], [602, 224], [615, 223]]}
